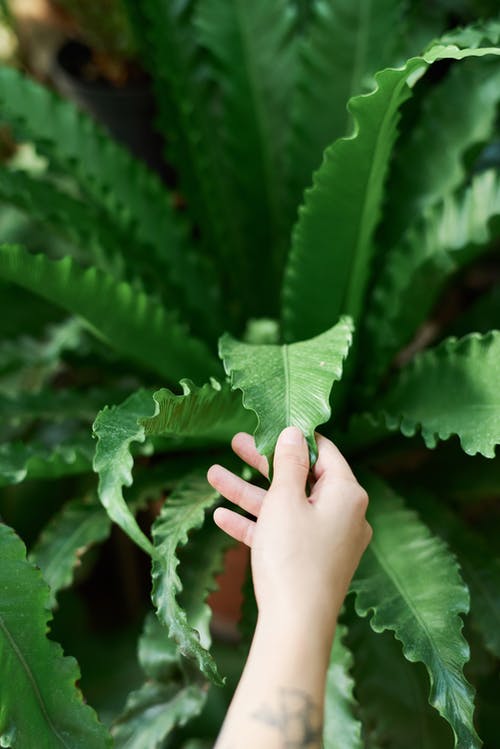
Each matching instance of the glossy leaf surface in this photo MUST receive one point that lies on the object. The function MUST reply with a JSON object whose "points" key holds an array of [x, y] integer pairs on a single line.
{"points": [[126, 320], [211, 411], [408, 582], [342, 729], [332, 243], [41, 705], [183, 511], [288, 385], [451, 389], [415, 271]]}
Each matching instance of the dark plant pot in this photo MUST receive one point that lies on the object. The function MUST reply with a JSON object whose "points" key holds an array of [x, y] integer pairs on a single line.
{"points": [[127, 112]]}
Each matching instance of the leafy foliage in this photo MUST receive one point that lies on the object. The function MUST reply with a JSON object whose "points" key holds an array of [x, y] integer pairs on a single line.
{"points": [[416, 269], [426, 621], [131, 322], [443, 389], [342, 729], [183, 511], [45, 702], [288, 398], [399, 221]]}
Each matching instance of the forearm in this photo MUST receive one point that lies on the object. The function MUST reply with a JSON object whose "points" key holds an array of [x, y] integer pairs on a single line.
{"points": [[279, 701]]}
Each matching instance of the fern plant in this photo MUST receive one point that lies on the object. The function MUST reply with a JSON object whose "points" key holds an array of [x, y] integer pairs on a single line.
{"points": [[330, 198]]}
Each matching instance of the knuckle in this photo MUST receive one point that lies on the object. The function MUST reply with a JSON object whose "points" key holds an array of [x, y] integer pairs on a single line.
{"points": [[368, 533], [361, 500], [295, 460]]}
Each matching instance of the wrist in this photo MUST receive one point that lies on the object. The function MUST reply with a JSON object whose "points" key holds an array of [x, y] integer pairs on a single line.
{"points": [[297, 630]]}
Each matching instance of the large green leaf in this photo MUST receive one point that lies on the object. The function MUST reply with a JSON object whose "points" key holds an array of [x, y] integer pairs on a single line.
{"points": [[126, 320], [20, 461], [253, 49], [183, 511], [343, 45], [116, 429], [342, 729], [134, 197], [416, 270], [451, 389], [392, 694], [289, 384], [479, 564], [41, 706], [408, 582], [456, 114], [211, 411], [332, 244]]}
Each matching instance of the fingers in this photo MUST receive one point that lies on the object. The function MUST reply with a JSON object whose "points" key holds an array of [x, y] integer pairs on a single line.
{"points": [[236, 526], [291, 461], [331, 463], [243, 445], [235, 489]]}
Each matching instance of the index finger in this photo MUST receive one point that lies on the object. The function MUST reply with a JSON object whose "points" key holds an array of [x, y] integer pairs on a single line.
{"points": [[331, 463], [243, 445]]}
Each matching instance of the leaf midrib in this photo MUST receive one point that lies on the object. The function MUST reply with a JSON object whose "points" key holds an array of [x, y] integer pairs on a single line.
{"points": [[402, 590], [285, 354], [29, 675]]}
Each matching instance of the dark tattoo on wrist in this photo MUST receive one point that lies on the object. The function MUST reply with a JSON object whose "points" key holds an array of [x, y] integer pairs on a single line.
{"points": [[297, 717]]}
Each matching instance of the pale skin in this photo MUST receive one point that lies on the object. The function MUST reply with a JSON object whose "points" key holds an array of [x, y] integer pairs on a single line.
{"points": [[304, 551]]}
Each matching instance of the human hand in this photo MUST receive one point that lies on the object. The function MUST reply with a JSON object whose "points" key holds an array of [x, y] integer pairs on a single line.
{"points": [[305, 549]]}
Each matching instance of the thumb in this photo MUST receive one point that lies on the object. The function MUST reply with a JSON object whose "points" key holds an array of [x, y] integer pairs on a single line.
{"points": [[291, 461]]}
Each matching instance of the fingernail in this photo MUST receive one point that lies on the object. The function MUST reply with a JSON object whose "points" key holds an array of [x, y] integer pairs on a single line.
{"points": [[291, 436]]}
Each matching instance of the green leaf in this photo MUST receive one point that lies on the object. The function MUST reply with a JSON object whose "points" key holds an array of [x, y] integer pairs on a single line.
{"points": [[332, 244], [158, 654], [394, 708], [415, 271], [40, 703], [134, 197], [153, 711], [80, 524], [451, 389], [110, 247], [160, 657], [344, 44], [342, 730], [253, 51], [211, 411], [409, 583], [183, 511], [116, 429], [178, 69], [480, 567], [200, 562], [456, 114], [128, 321], [78, 221], [289, 384], [19, 461]]}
